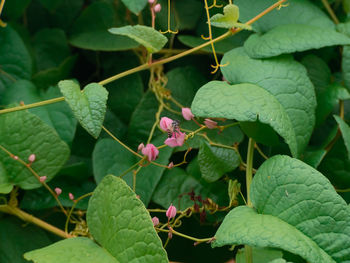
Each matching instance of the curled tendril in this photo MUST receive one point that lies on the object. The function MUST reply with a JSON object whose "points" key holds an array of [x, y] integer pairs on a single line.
{"points": [[282, 5], [215, 5], [217, 66], [169, 31], [205, 38]]}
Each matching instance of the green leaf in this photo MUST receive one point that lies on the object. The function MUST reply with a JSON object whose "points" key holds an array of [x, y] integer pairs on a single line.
{"points": [[313, 221], [90, 30], [285, 39], [229, 19], [15, 61], [5, 186], [109, 157], [245, 102], [345, 63], [260, 255], [150, 38], [50, 48], [214, 162], [135, 6], [119, 222], [311, 14], [58, 115], [15, 237], [15, 8], [345, 131], [32, 135], [88, 106], [283, 78], [176, 184], [72, 250]]}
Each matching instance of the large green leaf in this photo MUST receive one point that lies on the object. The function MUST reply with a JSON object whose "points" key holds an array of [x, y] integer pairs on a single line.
{"points": [[150, 38], [14, 236], [313, 221], [58, 115], [72, 250], [283, 78], [345, 131], [90, 30], [119, 222], [23, 133], [345, 29], [176, 184], [297, 12], [245, 102], [260, 255], [214, 162], [88, 106], [135, 6], [15, 61], [109, 157], [285, 39]]}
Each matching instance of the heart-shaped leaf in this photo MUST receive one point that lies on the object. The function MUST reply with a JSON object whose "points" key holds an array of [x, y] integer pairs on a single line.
{"points": [[150, 38], [286, 80], [23, 133], [244, 102], [119, 222], [229, 19], [88, 106], [285, 39], [313, 221]]}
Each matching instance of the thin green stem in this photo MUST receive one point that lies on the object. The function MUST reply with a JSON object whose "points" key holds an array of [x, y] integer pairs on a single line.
{"points": [[160, 109], [199, 240], [249, 170]]}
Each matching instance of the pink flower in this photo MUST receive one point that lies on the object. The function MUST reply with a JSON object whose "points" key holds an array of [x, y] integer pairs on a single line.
{"points": [[187, 113], [155, 221], [157, 8], [150, 151], [151, 1], [140, 147], [177, 139], [42, 179], [31, 158], [210, 123], [58, 191], [71, 196], [165, 123], [171, 212]]}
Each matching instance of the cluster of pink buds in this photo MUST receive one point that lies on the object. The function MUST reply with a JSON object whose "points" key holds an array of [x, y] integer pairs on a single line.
{"points": [[156, 7], [175, 136]]}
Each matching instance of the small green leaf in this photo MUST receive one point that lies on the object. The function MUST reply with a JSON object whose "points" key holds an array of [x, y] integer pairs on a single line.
{"points": [[119, 222], [23, 133], [345, 131], [214, 162], [283, 78], [285, 39], [244, 102], [312, 219], [15, 61], [135, 6], [71, 250], [88, 106], [89, 31], [229, 19], [151, 39]]}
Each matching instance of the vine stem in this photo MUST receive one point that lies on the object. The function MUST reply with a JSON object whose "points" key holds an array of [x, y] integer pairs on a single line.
{"points": [[199, 240], [330, 11], [32, 219], [155, 63], [249, 178]]}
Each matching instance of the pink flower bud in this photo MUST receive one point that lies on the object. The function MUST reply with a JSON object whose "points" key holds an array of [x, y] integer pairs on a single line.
{"points": [[187, 113], [42, 179], [171, 212], [170, 233], [31, 158], [71, 196], [151, 1], [58, 191], [157, 8], [210, 123], [155, 221], [177, 139], [15, 157], [150, 151], [141, 146], [165, 123], [171, 165]]}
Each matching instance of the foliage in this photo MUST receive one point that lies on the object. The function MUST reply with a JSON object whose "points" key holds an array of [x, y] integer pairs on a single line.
{"points": [[163, 130]]}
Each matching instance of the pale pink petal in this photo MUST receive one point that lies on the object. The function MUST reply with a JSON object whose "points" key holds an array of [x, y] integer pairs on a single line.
{"points": [[151, 152], [210, 123], [58, 191], [187, 113], [171, 212], [42, 179], [171, 142], [31, 158], [165, 123], [140, 147], [157, 8], [155, 221]]}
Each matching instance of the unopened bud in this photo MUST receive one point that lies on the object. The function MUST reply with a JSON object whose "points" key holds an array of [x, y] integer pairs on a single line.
{"points": [[157, 8], [155, 221], [32, 158], [171, 212], [71, 196], [42, 179], [15, 157], [170, 165], [58, 191]]}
